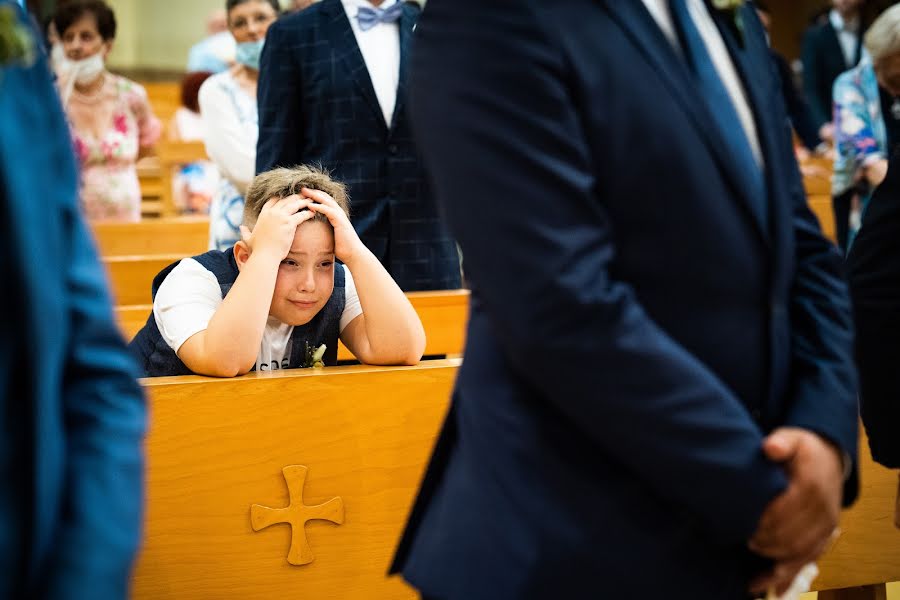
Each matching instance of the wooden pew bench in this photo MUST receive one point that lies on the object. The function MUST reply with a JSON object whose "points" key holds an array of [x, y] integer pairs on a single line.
{"points": [[443, 314], [821, 207], [218, 446], [354, 439], [817, 185], [868, 551], [130, 277], [186, 236]]}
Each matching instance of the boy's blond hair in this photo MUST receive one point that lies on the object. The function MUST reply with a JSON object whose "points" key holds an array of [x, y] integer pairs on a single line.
{"points": [[283, 182]]}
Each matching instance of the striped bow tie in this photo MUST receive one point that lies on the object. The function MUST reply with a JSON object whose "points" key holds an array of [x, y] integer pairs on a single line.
{"points": [[370, 17]]}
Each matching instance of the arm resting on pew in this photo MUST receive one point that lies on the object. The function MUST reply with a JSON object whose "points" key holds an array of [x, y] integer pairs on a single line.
{"points": [[389, 332], [230, 343]]}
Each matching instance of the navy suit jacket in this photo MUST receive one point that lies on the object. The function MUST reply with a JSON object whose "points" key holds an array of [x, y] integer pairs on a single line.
{"points": [[636, 328], [823, 60], [72, 416], [317, 106], [873, 267]]}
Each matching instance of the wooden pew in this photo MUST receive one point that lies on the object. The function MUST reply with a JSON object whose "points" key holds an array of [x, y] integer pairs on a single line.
{"points": [[868, 551], [164, 98], [817, 183], [150, 181], [217, 447], [187, 236], [444, 315], [130, 277], [821, 207]]}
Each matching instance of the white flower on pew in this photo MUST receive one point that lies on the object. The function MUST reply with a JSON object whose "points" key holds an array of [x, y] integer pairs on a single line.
{"points": [[313, 356]]}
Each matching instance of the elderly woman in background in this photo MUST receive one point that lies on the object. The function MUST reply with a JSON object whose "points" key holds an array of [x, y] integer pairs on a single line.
{"points": [[109, 116], [867, 123], [228, 106]]}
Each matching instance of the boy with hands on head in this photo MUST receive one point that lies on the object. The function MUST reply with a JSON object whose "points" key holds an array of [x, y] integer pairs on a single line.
{"points": [[279, 292]]}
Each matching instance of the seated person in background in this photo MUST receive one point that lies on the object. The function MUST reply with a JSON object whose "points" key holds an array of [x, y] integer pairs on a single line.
{"points": [[274, 298], [196, 182], [215, 52]]}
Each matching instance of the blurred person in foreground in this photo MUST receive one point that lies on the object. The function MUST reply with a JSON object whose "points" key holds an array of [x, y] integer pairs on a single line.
{"points": [[72, 416], [658, 398]]}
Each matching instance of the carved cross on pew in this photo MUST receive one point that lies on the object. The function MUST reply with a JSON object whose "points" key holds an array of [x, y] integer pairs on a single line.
{"points": [[296, 514]]}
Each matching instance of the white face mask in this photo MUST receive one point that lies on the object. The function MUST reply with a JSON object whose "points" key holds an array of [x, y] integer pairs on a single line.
{"points": [[82, 71]]}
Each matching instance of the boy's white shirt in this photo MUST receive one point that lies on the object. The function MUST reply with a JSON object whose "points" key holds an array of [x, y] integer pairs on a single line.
{"points": [[190, 295]]}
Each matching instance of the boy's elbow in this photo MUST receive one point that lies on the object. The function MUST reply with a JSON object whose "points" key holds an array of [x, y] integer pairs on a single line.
{"points": [[231, 370], [411, 359], [227, 366]]}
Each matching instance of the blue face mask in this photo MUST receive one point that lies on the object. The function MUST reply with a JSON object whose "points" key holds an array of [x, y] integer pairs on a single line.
{"points": [[248, 53]]}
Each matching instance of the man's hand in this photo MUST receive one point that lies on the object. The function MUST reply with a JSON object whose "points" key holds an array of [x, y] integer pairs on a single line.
{"points": [[276, 225], [798, 525], [826, 132]]}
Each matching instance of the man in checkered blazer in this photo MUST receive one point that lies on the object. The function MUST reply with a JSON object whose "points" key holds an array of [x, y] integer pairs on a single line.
{"points": [[332, 91]]}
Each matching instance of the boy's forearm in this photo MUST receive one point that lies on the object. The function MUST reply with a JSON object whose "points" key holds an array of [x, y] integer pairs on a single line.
{"points": [[235, 331], [393, 328]]}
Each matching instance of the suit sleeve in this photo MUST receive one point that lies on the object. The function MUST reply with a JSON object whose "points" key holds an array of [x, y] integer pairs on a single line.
{"points": [[812, 74], [798, 110], [279, 95], [874, 272], [824, 382], [513, 172]]}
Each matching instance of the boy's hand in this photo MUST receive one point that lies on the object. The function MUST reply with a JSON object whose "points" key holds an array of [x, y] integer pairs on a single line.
{"points": [[276, 226], [346, 243]]}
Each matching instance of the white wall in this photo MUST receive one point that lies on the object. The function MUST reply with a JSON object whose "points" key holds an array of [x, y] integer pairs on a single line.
{"points": [[157, 34]]}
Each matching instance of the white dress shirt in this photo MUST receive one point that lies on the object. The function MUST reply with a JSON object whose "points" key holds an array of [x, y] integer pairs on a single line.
{"points": [[380, 48], [848, 36], [718, 52]]}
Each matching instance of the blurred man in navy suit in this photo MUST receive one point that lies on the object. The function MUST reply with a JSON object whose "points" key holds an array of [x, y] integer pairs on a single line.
{"points": [[71, 413], [658, 398]]}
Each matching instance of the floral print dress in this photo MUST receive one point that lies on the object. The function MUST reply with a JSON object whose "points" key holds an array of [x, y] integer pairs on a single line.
{"points": [[860, 135], [108, 129]]}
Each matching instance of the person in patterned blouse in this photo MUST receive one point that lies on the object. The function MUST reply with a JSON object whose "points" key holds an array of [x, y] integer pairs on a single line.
{"points": [[109, 116]]}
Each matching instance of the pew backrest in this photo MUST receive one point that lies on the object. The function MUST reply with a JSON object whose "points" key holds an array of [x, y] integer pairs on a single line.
{"points": [[186, 236], [218, 446], [443, 314], [868, 549]]}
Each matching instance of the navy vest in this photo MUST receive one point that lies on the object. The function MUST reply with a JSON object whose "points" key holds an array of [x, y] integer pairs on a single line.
{"points": [[157, 359]]}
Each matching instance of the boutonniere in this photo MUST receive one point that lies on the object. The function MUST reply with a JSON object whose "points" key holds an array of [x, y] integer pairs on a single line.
{"points": [[312, 357], [732, 10], [17, 45]]}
